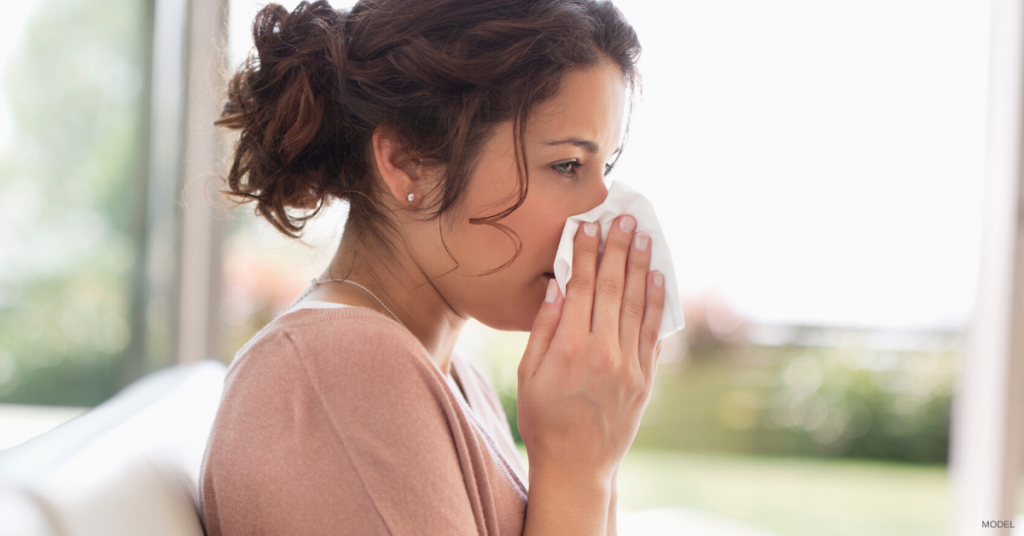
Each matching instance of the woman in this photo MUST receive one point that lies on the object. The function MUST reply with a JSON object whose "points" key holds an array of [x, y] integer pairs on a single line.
{"points": [[462, 133]]}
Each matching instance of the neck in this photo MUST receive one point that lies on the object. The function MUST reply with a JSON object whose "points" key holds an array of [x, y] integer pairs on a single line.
{"points": [[402, 286]]}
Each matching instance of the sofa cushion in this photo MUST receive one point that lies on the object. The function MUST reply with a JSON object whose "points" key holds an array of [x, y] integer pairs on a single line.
{"points": [[128, 466]]}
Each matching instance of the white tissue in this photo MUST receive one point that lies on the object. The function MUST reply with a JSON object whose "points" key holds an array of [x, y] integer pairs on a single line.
{"points": [[624, 200]]}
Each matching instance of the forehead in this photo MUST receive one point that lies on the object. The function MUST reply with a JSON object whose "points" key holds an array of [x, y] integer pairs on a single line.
{"points": [[590, 104]]}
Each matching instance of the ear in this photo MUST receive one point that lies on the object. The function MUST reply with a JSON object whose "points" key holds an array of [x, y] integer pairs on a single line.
{"points": [[398, 171]]}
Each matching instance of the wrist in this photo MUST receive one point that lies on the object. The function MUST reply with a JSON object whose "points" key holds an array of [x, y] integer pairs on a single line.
{"points": [[556, 475], [565, 502], [592, 482]]}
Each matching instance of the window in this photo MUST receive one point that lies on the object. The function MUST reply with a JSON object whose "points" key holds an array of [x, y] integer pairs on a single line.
{"points": [[71, 139]]}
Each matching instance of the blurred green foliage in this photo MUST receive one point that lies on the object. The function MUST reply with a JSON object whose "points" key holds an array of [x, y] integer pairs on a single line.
{"points": [[72, 89], [795, 400], [849, 399]]}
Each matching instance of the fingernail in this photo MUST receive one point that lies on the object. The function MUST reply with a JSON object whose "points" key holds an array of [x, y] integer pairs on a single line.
{"points": [[641, 240], [658, 279], [590, 228], [627, 223], [552, 291]]}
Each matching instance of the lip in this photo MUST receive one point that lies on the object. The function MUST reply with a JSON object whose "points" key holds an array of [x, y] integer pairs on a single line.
{"points": [[549, 274]]}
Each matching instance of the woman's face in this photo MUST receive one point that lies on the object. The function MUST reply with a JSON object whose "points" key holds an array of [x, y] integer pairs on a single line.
{"points": [[569, 141]]}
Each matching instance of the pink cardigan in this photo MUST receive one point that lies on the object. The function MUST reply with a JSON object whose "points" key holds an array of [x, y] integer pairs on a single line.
{"points": [[336, 421]]}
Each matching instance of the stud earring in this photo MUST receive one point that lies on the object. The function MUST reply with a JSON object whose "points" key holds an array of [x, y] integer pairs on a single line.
{"points": [[410, 197]]}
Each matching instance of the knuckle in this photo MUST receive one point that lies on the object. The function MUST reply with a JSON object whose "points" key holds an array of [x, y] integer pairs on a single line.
{"points": [[572, 348], [659, 298], [633, 306], [641, 390], [586, 245], [618, 242], [580, 282], [609, 288], [604, 360], [650, 337], [655, 308], [639, 262], [546, 321], [645, 398], [637, 391], [632, 375], [649, 381]]}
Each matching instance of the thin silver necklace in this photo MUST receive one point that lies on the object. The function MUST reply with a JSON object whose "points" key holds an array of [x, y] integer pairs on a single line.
{"points": [[316, 282]]}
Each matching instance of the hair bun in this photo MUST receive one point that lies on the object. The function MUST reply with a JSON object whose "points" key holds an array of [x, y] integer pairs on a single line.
{"points": [[284, 101]]}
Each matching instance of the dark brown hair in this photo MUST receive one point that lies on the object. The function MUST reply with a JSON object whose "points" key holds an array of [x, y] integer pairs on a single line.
{"points": [[436, 74]]}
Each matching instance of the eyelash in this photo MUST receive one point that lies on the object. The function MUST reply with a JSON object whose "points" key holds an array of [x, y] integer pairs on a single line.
{"points": [[607, 168]]}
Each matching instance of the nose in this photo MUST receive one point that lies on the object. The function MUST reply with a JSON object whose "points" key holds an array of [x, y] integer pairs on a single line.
{"points": [[595, 196]]}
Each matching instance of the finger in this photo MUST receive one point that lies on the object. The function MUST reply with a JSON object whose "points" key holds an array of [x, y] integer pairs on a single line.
{"points": [[652, 321], [544, 326], [579, 291], [611, 275], [654, 367], [634, 297]]}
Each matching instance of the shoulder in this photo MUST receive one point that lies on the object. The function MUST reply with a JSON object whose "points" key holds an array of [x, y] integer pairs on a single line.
{"points": [[351, 355], [351, 337], [364, 373], [346, 358]]}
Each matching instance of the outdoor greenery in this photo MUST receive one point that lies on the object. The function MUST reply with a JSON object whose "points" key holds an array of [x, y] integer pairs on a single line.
{"points": [[816, 401], [849, 400], [72, 90]]}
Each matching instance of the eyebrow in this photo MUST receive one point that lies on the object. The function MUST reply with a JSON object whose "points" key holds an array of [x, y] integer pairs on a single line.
{"points": [[586, 145]]}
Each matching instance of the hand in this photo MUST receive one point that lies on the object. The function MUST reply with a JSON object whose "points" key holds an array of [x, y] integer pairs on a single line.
{"points": [[586, 376]]}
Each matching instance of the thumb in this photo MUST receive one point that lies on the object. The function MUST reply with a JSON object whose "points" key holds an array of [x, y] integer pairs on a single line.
{"points": [[544, 326]]}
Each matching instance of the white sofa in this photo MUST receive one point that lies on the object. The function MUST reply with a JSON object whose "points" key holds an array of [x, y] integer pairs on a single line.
{"points": [[129, 466]]}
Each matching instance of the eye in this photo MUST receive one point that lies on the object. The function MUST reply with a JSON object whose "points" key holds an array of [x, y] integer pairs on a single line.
{"points": [[567, 169]]}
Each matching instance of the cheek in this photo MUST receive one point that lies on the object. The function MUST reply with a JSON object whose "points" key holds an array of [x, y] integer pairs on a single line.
{"points": [[542, 219], [536, 226], [483, 247], [509, 298]]}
